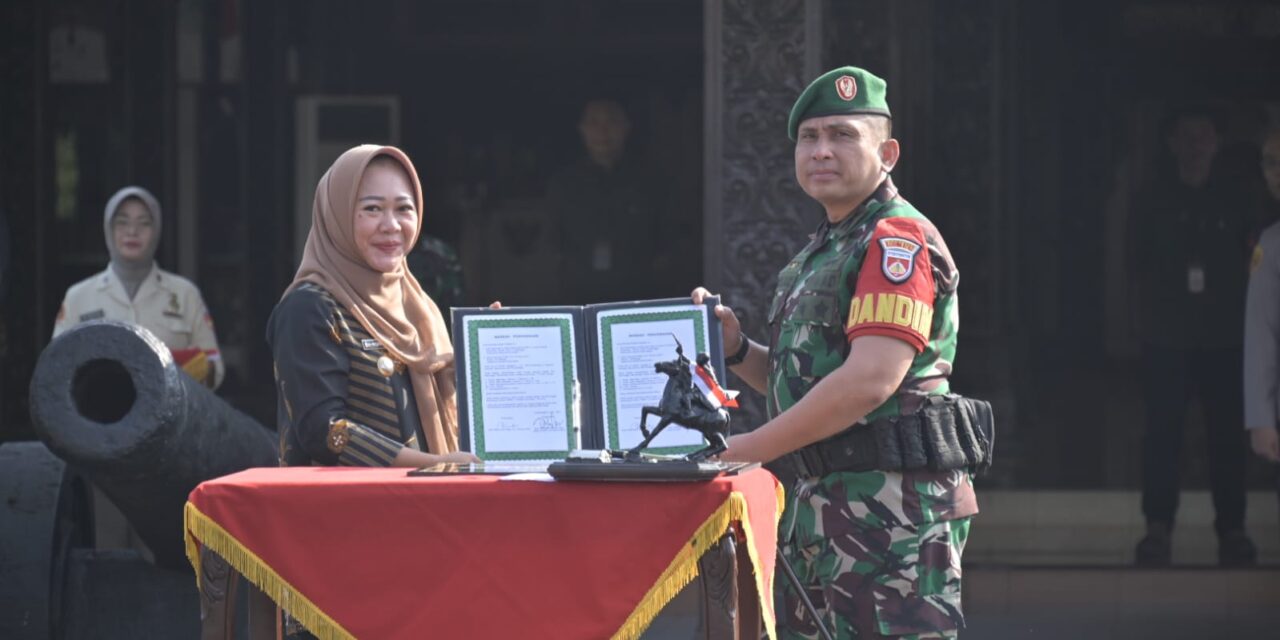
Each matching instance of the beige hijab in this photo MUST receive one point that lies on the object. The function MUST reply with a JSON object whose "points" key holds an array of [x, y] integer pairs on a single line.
{"points": [[390, 306]]}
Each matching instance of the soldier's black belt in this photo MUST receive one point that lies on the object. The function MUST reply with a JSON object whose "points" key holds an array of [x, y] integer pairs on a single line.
{"points": [[949, 432]]}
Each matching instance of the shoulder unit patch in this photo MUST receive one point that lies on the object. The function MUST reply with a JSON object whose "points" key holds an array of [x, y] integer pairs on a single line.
{"points": [[899, 258]]}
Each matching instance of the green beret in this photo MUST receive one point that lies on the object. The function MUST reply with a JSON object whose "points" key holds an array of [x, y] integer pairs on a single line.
{"points": [[839, 91]]}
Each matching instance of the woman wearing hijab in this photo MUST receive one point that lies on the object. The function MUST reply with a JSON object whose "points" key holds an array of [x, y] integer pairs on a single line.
{"points": [[364, 366], [134, 289]]}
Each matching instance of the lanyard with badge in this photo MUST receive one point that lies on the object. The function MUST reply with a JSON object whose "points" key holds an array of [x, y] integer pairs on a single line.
{"points": [[1200, 229], [1195, 277]]}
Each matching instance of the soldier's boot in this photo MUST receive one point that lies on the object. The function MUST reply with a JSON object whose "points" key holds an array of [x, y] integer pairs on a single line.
{"points": [[1156, 548], [1235, 549]]}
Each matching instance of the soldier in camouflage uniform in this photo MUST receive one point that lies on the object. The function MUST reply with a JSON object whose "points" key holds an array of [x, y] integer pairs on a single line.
{"points": [[862, 327]]}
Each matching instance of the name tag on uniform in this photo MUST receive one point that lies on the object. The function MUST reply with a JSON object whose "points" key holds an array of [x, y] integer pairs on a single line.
{"points": [[1195, 278], [369, 344], [174, 310], [92, 315]]}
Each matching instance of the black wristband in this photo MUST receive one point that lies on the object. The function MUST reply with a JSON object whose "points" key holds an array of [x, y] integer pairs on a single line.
{"points": [[738, 356]]}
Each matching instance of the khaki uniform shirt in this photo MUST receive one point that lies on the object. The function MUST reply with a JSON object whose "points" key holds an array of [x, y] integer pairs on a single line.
{"points": [[167, 305], [1262, 333]]}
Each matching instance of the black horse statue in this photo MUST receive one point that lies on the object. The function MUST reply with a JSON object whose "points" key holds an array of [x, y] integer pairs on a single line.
{"points": [[684, 404]]}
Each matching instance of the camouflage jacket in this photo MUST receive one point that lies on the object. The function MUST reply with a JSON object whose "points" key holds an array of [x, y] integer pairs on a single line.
{"points": [[883, 270]]}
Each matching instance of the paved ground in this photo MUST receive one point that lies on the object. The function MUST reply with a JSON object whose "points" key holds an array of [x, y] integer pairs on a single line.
{"points": [[1115, 602], [1079, 625]]}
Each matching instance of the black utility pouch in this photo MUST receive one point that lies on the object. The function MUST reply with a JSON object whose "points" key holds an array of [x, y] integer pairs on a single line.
{"points": [[982, 429], [942, 443]]}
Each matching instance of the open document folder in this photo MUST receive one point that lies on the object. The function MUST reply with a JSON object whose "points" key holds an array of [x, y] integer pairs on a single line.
{"points": [[535, 383]]}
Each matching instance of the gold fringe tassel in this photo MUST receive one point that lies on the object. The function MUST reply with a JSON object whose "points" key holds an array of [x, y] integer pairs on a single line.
{"points": [[684, 567], [201, 530]]}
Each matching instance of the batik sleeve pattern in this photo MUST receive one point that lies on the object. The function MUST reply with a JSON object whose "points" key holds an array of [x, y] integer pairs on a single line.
{"points": [[312, 371]]}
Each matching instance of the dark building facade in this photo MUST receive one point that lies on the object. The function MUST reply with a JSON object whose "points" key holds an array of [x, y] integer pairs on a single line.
{"points": [[1025, 129]]}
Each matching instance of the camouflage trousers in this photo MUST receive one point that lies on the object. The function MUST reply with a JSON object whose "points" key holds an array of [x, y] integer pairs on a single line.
{"points": [[876, 581]]}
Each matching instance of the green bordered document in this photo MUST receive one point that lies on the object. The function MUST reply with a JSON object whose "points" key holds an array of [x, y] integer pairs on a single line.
{"points": [[535, 383]]}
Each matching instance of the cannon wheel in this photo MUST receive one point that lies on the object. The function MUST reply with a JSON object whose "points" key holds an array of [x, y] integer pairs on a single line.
{"points": [[45, 511]]}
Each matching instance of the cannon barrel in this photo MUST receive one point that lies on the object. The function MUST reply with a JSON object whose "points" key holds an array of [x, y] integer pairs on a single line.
{"points": [[108, 399]]}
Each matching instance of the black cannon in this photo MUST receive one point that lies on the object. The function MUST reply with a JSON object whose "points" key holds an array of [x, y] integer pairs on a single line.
{"points": [[109, 400]]}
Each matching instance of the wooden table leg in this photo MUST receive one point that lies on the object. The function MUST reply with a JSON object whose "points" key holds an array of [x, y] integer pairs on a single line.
{"points": [[217, 597], [264, 616], [219, 584], [719, 570]]}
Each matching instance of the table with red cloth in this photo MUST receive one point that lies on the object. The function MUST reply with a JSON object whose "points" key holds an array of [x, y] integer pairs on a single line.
{"points": [[376, 553]]}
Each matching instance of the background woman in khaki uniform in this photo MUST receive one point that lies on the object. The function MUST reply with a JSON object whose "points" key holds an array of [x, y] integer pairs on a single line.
{"points": [[133, 288]]}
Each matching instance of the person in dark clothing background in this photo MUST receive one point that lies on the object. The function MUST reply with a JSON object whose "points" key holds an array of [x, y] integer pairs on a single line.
{"points": [[1189, 251], [606, 214]]}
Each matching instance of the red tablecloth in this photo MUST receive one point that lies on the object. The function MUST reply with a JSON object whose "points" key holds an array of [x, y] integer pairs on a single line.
{"points": [[374, 553]]}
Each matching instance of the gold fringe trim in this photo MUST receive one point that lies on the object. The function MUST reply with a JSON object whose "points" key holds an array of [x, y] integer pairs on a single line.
{"points": [[201, 530], [684, 567]]}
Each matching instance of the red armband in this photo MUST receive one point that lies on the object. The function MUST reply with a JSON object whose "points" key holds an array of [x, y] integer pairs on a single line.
{"points": [[894, 295]]}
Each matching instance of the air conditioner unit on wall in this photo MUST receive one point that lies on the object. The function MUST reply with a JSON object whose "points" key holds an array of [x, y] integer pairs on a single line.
{"points": [[327, 125]]}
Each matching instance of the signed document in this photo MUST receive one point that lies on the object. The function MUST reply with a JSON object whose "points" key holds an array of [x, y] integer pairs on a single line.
{"points": [[535, 383], [520, 385]]}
